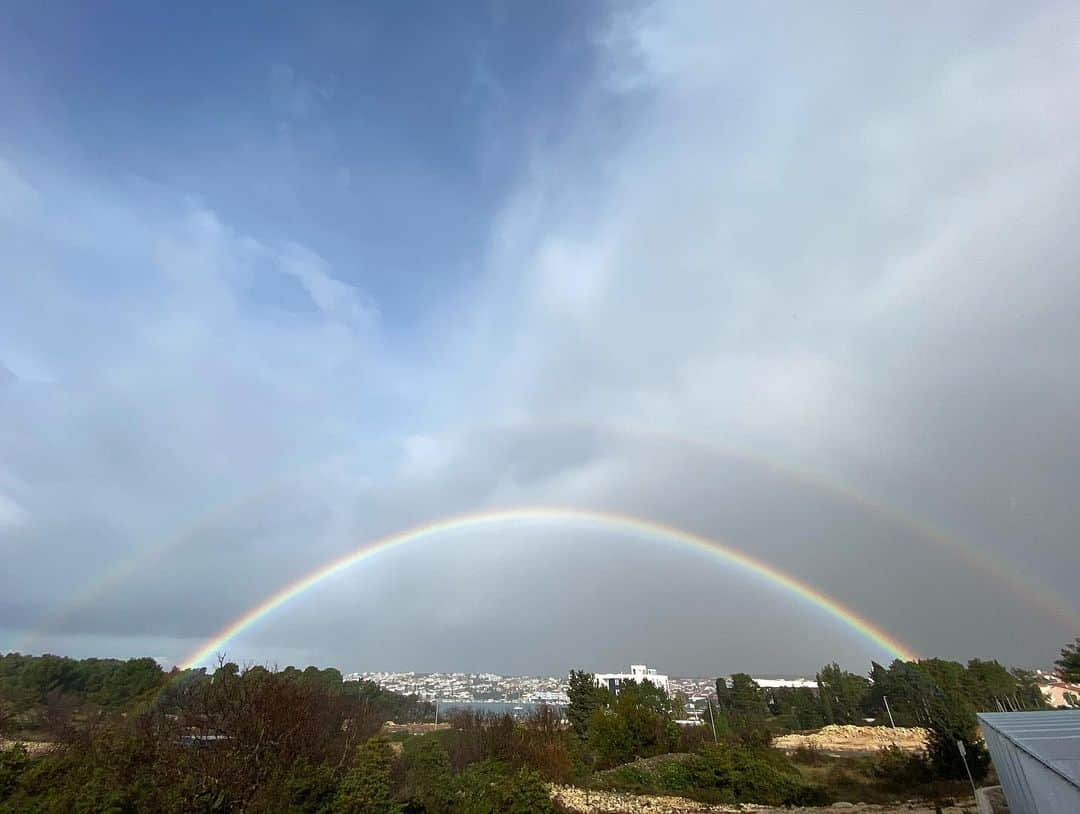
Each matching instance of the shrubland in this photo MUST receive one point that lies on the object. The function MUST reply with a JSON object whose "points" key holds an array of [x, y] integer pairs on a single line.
{"points": [[125, 736]]}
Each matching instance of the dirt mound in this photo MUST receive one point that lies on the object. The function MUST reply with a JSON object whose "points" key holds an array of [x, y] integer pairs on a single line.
{"points": [[846, 738]]}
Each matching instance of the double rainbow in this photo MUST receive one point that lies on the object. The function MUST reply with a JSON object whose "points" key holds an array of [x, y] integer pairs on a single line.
{"points": [[608, 521]]}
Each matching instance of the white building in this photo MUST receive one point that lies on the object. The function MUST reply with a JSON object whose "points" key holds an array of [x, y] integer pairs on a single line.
{"points": [[638, 673]]}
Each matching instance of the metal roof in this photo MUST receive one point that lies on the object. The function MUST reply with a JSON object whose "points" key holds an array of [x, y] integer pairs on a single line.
{"points": [[1051, 737]]}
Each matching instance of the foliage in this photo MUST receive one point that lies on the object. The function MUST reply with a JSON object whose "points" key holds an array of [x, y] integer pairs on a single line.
{"points": [[718, 774], [585, 698], [900, 770], [386, 705], [842, 694], [13, 762], [637, 724], [241, 739], [745, 696], [1069, 664], [798, 707], [28, 681], [952, 722], [428, 776], [1028, 694], [366, 787], [492, 787], [311, 787]]}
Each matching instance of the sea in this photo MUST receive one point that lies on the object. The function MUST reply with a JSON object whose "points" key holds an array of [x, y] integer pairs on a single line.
{"points": [[517, 709]]}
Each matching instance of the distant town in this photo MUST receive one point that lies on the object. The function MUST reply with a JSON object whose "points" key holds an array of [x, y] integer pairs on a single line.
{"points": [[491, 687], [475, 688]]}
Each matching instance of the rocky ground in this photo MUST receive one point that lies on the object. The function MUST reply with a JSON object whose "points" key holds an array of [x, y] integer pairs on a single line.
{"points": [[607, 802], [845, 739], [33, 747], [413, 729]]}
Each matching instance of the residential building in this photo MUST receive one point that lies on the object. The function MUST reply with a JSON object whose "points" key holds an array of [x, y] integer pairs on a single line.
{"points": [[638, 673]]}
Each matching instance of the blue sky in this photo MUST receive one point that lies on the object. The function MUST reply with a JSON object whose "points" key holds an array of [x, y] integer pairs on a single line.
{"points": [[275, 280], [379, 123]]}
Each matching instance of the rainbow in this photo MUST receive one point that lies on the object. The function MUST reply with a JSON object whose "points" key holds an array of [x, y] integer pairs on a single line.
{"points": [[621, 523], [1004, 574]]}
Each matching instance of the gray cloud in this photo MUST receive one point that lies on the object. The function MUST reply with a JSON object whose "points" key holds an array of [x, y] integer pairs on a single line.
{"points": [[835, 244]]}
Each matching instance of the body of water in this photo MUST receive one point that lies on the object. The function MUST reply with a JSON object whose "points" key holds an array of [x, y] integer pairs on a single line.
{"points": [[518, 709]]}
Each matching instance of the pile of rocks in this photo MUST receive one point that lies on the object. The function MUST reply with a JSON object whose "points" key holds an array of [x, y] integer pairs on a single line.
{"points": [[847, 738], [579, 801], [413, 729], [610, 802]]}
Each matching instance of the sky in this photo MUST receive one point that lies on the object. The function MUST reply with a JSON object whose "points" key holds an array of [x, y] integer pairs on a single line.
{"points": [[276, 281]]}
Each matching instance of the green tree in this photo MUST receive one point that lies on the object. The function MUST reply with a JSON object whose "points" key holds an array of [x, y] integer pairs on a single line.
{"points": [[585, 698], [909, 689], [746, 696], [1069, 663], [1028, 693], [311, 788], [798, 706], [953, 721], [428, 778], [723, 694], [842, 694], [678, 705], [990, 686], [492, 787], [366, 787], [636, 724]]}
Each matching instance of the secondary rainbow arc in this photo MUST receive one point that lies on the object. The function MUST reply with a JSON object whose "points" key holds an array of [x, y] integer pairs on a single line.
{"points": [[622, 523], [1009, 577]]}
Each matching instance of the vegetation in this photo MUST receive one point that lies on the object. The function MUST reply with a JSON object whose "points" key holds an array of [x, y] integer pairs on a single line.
{"points": [[727, 773], [1069, 663], [126, 736]]}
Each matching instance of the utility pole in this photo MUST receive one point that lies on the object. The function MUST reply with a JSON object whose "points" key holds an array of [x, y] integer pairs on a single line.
{"points": [[963, 757], [892, 723], [712, 720]]}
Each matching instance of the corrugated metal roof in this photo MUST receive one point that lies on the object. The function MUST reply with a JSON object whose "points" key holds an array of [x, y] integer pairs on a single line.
{"points": [[1051, 737]]}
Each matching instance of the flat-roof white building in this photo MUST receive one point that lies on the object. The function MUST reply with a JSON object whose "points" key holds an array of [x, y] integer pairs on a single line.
{"points": [[638, 673]]}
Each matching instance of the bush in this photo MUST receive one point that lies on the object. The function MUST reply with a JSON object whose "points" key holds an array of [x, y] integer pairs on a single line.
{"points": [[899, 769], [310, 788], [366, 789], [428, 777], [809, 756], [13, 762], [719, 774], [951, 723], [493, 787]]}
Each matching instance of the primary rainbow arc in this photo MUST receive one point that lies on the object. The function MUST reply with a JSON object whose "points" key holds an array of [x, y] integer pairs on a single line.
{"points": [[623, 523]]}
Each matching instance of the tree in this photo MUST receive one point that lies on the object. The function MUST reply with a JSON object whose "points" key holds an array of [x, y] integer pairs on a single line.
{"points": [[365, 788], [678, 705], [428, 777], [746, 697], [723, 694], [842, 694], [908, 688], [585, 698], [799, 706], [1069, 663], [1028, 693], [953, 721], [492, 787], [636, 724], [990, 686]]}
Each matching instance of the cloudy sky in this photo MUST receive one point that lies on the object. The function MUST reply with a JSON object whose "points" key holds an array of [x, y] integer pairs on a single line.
{"points": [[802, 278]]}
